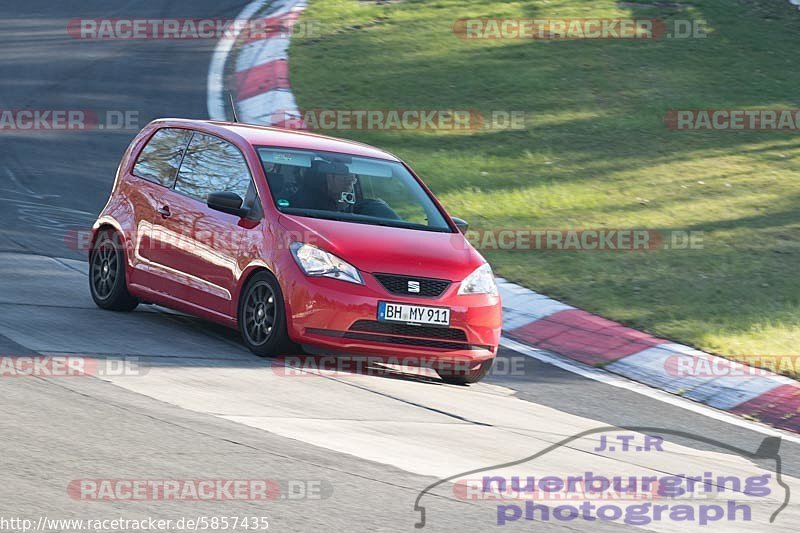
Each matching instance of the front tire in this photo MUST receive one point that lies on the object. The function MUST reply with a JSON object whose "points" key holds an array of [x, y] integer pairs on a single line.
{"points": [[262, 316], [463, 377], [107, 282]]}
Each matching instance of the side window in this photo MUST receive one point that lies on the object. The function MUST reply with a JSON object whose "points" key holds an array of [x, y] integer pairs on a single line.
{"points": [[159, 160], [212, 165]]}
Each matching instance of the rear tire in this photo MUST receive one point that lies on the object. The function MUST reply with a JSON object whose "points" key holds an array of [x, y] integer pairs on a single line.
{"points": [[463, 377], [107, 282], [262, 317]]}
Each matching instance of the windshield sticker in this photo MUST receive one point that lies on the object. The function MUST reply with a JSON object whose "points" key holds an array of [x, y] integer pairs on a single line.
{"points": [[286, 157]]}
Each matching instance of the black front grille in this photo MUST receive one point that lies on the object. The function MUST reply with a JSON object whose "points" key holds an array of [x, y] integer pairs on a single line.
{"points": [[428, 343], [389, 328], [391, 339], [428, 287]]}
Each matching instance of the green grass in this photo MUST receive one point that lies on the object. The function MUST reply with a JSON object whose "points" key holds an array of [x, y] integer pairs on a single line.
{"points": [[595, 152]]}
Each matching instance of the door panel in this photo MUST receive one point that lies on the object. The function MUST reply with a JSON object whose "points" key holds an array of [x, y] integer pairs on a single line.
{"points": [[197, 247]]}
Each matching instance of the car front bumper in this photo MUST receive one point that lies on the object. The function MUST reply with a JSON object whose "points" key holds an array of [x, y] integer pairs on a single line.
{"points": [[335, 315]]}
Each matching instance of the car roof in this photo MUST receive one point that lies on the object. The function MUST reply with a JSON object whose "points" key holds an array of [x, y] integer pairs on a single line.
{"points": [[279, 137]]}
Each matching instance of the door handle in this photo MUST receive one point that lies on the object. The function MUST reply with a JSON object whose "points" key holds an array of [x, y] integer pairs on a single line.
{"points": [[164, 211]]}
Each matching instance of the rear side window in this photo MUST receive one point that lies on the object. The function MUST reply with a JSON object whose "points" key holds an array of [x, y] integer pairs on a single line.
{"points": [[159, 160], [212, 165]]}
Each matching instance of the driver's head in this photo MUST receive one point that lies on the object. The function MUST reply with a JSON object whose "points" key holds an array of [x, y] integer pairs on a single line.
{"points": [[339, 183], [335, 178]]}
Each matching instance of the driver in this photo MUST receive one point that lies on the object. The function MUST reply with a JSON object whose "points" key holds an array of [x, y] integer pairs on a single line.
{"points": [[341, 191], [327, 187]]}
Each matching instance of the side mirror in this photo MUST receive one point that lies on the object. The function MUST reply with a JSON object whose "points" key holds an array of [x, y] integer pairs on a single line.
{"points": [[461, 224], [227, 202]]}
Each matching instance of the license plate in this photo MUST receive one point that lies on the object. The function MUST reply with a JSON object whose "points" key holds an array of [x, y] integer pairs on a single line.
{"points": [[413, 314]]}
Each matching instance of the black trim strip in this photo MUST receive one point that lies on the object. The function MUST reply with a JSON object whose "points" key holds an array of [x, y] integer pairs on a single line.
{"points": [[389, 339]]}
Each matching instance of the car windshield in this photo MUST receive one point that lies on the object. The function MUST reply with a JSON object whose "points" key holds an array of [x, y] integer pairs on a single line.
{"points": [[349, 188]]}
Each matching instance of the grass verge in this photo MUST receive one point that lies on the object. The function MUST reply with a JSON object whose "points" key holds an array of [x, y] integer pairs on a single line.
{"points": [[595, 152]]}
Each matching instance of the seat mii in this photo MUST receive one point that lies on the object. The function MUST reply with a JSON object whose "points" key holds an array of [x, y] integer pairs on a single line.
{"points": [[296, 240]]}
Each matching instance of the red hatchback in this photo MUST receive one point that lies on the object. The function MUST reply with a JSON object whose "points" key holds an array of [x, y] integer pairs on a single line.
{"points": [[295, 239]]}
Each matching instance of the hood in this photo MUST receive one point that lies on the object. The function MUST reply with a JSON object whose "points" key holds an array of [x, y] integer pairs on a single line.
{"points": [[380, 249]]}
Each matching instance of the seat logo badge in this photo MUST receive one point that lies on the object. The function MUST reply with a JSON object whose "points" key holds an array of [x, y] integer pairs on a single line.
{"points": [[413, 286]]}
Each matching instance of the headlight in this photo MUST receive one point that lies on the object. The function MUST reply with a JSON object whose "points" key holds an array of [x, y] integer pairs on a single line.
{"points": [[316, 262], [481, 281]]}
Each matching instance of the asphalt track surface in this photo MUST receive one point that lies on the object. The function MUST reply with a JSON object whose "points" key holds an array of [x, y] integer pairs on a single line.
{"points": [[202, 407]]}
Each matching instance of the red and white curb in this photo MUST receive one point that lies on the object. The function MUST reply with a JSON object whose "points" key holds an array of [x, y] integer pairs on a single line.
{"points": [[535, 320], [264, 96], [260, 83]]}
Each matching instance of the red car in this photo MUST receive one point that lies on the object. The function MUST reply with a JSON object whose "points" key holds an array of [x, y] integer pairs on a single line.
{"points": [[295, 239]]}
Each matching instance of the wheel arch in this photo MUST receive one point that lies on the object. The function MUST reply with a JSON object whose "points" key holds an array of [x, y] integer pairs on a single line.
{"points": [[102, 224], [117, 299], [247, 274]]}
